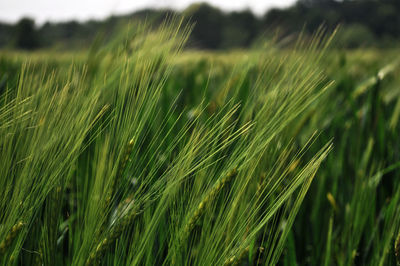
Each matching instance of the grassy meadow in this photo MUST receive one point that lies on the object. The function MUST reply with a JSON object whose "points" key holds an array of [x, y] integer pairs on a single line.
{"points": [[139, 152]]}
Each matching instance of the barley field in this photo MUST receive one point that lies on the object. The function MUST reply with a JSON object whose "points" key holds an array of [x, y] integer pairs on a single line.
{"points": [[142, 152]]}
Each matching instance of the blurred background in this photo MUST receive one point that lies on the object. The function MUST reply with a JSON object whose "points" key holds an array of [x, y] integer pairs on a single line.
{"points": [[236, 24]]}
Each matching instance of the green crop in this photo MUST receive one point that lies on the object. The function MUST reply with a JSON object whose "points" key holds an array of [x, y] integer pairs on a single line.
{"points": [[139, 153]]}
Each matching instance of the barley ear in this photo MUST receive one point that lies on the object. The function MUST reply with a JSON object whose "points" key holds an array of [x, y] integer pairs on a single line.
{"points": [[208, 198], [120, 170], [234, 260], [10, 237], [125, 158], [115, 232], [397, 249]]}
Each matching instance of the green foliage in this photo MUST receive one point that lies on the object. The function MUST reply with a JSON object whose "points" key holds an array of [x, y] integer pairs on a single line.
{"points": [[354, 36], [135, 153]]}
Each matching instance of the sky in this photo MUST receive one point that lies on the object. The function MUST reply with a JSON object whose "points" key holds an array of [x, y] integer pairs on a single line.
{"points": [[62, 10]]}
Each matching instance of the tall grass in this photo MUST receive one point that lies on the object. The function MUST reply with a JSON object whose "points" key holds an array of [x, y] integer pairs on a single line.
{"points": [[137, 154]]}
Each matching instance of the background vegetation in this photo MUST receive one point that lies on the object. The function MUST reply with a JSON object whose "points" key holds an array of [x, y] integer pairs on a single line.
{"points": [[139, 152], [365, 23]]}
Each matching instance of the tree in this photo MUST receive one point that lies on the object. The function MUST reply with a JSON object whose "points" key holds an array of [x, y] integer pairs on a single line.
{"points": [[316, 2], [5, 34], [25, 34], [209, 22], [240, 29]]}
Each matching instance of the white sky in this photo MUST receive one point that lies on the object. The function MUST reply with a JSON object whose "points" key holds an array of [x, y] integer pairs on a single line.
{"points": [[61, 10]]}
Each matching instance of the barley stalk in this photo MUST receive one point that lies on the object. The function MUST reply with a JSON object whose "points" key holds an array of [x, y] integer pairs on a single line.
{"points": [[48, 239], [260, 185], [235, 259]]}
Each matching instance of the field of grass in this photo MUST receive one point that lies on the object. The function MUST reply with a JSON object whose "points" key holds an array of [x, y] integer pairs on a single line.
{"points": [[139, 153]]}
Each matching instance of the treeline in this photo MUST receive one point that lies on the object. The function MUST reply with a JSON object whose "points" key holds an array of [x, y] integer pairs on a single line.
{"points": [[363, 23]]}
